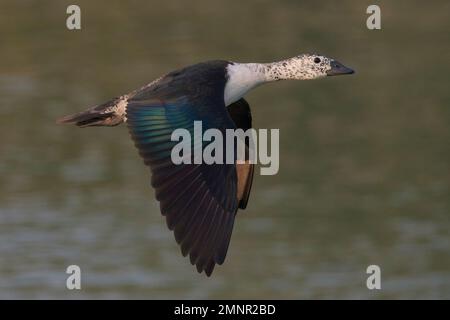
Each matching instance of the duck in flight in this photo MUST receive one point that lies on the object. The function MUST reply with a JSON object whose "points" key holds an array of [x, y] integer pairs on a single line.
{"points": [[199, 201]]}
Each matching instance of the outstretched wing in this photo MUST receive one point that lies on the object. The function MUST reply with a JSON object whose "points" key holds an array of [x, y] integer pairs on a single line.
{"points": [[199, 201]]}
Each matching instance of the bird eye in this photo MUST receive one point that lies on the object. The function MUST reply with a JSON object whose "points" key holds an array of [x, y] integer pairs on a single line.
{"points": [[317, 60]]}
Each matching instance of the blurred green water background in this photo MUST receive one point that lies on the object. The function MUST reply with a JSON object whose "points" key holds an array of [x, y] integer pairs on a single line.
{"points": [[364, 160]]}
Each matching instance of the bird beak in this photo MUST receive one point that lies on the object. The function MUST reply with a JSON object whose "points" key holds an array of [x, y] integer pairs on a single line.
{"points": [[338, 68]]}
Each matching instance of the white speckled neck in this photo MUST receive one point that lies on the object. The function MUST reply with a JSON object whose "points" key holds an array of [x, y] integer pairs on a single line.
{"points": [[302, 67], [242, 77]]}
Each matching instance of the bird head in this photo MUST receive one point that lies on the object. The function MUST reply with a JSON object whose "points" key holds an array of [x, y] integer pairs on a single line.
{"points": [[312, 66]]}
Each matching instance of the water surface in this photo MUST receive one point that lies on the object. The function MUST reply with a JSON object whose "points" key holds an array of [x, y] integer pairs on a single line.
{"points": [[364, 160]]}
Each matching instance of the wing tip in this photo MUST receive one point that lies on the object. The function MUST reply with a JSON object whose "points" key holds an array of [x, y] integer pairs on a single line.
{"points": [[207, 267]]}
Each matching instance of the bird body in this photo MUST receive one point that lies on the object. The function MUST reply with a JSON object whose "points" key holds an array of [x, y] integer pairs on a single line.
{"points": [[199, 201]]}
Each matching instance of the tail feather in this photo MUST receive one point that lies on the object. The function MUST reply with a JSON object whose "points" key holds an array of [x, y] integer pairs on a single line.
{"points": [[110, 113], [87, 118]]}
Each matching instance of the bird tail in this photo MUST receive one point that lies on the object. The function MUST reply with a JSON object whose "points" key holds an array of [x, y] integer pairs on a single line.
{"points": [[110, 113]]}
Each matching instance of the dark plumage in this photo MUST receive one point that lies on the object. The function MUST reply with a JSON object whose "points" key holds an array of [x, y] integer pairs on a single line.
{"points": [[194, 198], [199, 201]]}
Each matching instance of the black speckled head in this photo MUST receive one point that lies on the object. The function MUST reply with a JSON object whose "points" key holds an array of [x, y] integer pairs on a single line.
{"points": [[314, 65], [306, 66]]}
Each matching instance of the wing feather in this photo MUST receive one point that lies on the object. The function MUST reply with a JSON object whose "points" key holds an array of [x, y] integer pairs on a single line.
{"points": [[198, 200]]}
